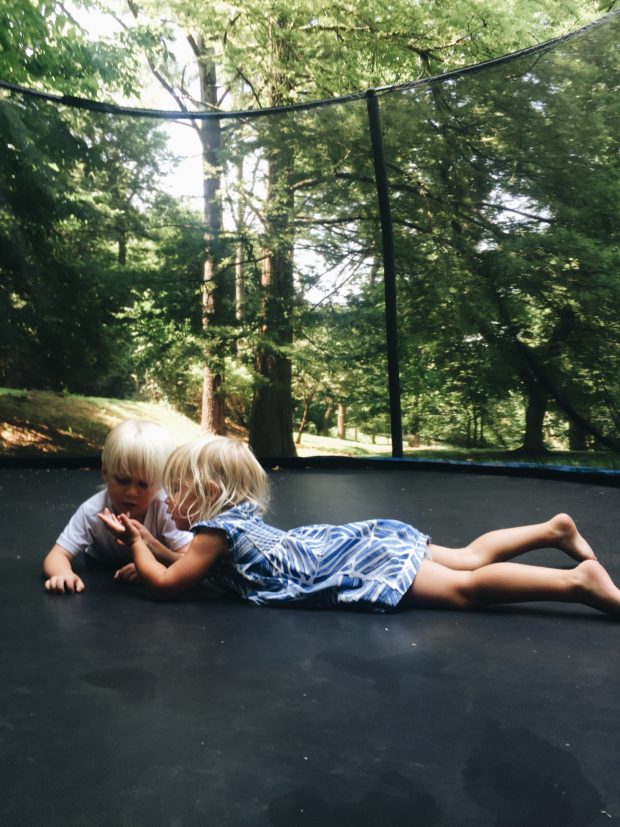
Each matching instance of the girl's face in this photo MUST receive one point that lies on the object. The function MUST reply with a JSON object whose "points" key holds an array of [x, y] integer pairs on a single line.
{"points": [[179, 506], [130, 494]]}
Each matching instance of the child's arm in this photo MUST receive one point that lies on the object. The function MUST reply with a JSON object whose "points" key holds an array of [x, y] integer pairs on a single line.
{"points": [[161, 552], [60, 577], [183, 574]]}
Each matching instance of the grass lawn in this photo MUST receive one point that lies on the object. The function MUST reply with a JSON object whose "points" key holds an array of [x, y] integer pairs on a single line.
{"points": [[40, 422], [312, 445], [33, 423]]}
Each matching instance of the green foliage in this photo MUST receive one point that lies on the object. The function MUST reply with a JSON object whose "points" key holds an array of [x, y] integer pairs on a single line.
{"points": [[164, 356], [71, 201], [74, 188], [504, 188], [309, 49], [42, 45]]}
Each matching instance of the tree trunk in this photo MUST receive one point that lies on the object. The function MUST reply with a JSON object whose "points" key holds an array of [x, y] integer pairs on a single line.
{"points": [[271, 435], [239, 250], [342, 422], [212, 416], [327, 415], [122, 246], [304, 419], [212, 413], [271, 424], [537, 403], [576, 437]]}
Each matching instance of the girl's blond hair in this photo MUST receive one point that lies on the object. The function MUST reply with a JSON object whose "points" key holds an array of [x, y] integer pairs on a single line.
{"points": [[137, 447], [212, 474]]}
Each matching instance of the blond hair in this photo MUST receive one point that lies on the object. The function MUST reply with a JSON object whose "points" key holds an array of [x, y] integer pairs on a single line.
{"points": [[137, 447], [212, 474]]}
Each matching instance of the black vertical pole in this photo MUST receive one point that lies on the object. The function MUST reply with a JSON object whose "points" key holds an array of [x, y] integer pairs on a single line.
{"points": [[389, 272]]}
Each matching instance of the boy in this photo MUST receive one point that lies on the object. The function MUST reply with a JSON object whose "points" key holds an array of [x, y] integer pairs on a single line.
{"points": [[133, 459]]}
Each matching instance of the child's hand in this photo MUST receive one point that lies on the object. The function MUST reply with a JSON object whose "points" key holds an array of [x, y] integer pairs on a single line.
{"points": [[124, 529], [145, 534], [64, 583], [127, 574], [113, 524]]}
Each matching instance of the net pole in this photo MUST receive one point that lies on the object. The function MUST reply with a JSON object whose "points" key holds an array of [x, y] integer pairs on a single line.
{"points": [[389, 272]]}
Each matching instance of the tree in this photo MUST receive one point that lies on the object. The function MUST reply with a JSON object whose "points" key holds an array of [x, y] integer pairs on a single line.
{"points": [[278, 53], [534, 252], [69, 186], [452, 168]]}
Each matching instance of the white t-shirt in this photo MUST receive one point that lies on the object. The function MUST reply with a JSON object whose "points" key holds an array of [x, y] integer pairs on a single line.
{"points": [[86, 532]]}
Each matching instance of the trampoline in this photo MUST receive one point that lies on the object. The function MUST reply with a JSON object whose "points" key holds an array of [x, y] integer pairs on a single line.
{"points": [[118, 710]]}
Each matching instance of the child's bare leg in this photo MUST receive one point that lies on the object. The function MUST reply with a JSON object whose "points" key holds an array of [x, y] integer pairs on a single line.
{"points": [[436, 586], [498, 546]]}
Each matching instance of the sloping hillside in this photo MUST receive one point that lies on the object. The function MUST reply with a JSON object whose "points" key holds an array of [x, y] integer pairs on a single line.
{"points": [[40, 422]]}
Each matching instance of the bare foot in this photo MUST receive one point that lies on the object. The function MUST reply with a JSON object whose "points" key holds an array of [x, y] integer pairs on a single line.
{"points": [[597, 589], [569, 539]]}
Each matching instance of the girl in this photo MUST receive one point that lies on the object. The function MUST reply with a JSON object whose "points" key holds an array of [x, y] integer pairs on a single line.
{"points": [[219, 490]]}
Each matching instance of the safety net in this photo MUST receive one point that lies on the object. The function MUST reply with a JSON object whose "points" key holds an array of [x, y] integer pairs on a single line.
{"points": [[234, 266]]}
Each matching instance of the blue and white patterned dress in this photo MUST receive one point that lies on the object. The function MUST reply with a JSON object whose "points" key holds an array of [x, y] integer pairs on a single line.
{"points": [[369, 564]]}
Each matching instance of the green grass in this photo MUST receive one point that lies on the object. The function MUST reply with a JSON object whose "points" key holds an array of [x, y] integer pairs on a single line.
{"points": [[40, 422], [589, 459], [35, 423], [312, 445]]}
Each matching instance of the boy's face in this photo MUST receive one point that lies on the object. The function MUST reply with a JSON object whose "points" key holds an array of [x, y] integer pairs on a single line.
{"points": [[130, 494]]}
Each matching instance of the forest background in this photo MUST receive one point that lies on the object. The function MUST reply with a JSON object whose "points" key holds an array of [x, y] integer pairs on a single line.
{"points": [[257, 306]]}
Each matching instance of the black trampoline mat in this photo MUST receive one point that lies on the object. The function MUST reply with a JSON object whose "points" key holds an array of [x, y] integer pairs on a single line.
{"points": [[117, 710]]}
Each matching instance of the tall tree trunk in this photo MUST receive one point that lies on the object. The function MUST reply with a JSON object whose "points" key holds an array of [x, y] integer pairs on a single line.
{"points": [[271, 424], [212, 415], [240, 230], [239, 249]]}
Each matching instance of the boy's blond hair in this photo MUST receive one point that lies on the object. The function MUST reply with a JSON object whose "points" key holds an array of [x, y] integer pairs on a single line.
{"points": [[212, 474], [137, 447]]}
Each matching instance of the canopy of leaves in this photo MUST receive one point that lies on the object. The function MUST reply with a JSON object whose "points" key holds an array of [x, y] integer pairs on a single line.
{"points": [[504, 189]]}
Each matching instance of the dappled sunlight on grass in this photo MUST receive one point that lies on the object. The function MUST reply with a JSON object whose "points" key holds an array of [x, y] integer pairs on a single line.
{"points": [[313, 445], [16, 437], [44, 423], [21, 437]]}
